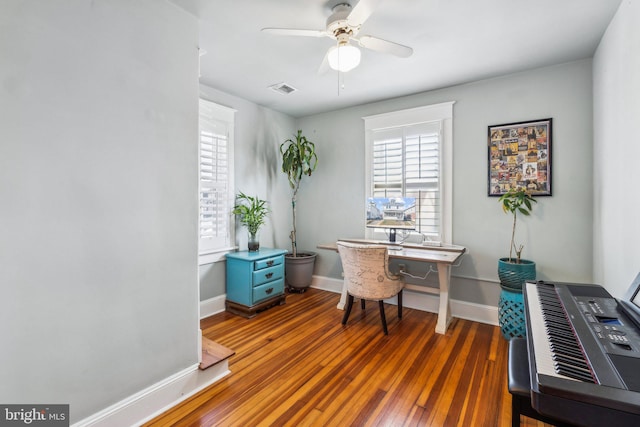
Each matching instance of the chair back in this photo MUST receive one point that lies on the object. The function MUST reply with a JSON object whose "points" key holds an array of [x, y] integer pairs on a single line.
{"points": [[366, 271]]}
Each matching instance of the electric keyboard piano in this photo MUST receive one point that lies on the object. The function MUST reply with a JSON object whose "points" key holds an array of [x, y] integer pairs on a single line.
{"points": [[584, 353]]}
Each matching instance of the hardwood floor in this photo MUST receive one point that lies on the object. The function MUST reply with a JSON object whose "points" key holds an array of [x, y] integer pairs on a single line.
{"points": [[296, 365]]}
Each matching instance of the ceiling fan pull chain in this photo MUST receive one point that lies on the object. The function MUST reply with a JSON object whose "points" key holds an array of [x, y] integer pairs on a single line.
{"points": [[340, 81]]}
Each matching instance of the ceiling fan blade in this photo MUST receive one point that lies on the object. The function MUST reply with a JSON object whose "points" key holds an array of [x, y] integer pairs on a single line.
{"points": [[385, 46], [361, 12], [295, 32]]}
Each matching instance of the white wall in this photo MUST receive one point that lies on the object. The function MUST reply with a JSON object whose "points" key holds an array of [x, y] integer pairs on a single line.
{"points": [[616, 75], [558, 236], [98, 114]]}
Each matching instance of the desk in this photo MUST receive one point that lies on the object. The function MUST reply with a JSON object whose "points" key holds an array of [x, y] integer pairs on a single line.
{"points": [[443, 256]]}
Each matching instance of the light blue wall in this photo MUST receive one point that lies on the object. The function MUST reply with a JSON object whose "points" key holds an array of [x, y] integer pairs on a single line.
{"points": [[617, 148], [259, 131], [98, 247], [331, 202], [559, 234]]}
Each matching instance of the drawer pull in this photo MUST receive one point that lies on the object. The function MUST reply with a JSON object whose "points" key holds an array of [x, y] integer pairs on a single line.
{"points": [[268, 275], [268, 291], [269, 263]]}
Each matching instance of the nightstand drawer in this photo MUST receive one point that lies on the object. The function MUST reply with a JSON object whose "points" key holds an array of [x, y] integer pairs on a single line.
{"points": [[268, 262], [268, 290], [268, 274]]}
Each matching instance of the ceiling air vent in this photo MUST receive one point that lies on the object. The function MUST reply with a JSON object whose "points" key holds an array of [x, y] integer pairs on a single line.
{"points": [[283, 88]]}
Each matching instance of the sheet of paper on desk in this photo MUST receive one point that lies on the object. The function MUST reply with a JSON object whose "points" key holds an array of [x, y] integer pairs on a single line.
{"points": [[421, 254]]}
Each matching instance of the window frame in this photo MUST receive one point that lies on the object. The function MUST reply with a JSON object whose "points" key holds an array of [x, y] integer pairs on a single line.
{"points": [[225, 115], [442, 113]]}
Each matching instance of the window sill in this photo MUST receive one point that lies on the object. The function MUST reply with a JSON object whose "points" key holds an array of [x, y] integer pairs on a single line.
{"points": [[214, 255]]}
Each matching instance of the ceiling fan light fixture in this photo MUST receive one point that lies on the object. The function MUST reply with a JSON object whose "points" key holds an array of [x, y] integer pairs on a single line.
{"points": [[343, 57]]}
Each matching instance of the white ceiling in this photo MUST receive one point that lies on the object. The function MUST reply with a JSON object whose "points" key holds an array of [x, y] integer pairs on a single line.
{"points": [[454, 41]]}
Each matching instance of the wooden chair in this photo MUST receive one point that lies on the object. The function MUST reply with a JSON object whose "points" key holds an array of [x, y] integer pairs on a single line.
{"points": [[367, 276]]}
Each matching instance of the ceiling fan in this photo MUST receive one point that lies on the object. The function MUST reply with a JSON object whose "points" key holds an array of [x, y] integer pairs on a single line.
{"points": [[343, 25]]}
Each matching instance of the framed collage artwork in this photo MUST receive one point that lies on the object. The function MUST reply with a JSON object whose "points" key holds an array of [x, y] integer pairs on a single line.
{"points": [[520, 157]]}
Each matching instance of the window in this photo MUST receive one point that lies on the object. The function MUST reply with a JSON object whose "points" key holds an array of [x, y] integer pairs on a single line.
{"points": [[216, 173], [409, 155]]}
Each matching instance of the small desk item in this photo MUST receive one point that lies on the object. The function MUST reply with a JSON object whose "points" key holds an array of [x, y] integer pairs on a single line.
{"points": [[255, 281], [443, 256]]}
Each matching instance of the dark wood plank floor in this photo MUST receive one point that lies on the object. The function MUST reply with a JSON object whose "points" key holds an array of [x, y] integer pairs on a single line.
{"points": [[296, 365]]}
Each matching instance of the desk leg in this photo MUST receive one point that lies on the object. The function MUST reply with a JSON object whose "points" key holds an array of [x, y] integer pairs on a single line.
{"points": [[444, 311], [343, 296]]}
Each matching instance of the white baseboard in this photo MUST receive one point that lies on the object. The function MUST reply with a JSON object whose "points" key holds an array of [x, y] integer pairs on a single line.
{"points": [[165, 394], [327, 284], [426, 302], [151, 402], [212, 306]]}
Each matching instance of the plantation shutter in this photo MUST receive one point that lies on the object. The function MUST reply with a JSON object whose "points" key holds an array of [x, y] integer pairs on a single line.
{"points": [[406, 163], [388, 162], [214, 165]]}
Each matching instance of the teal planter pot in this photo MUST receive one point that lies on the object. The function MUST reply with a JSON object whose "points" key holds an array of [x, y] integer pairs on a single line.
{"points": [[511, 315], [512, 276]]}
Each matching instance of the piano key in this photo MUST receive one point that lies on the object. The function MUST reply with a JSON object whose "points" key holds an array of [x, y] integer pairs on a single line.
{"points": [[563, 340], [559, 353], [575, 362], [569, 358], [542, 351], [572, 372], [568, 365], [575, 375], [561, 347]]}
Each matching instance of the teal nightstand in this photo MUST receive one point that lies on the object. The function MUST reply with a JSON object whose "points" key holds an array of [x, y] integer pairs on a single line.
{"points": [[255, 281]]}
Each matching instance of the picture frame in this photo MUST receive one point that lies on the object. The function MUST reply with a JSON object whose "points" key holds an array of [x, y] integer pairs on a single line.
{"points": [[519, 156]]}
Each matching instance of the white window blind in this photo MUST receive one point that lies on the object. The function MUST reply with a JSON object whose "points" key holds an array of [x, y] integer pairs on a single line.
{"points": [[406, 163], [409, 154], [215, 131]]}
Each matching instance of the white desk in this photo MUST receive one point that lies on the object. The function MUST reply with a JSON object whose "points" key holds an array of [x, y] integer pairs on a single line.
{"points": [[443, 256]]}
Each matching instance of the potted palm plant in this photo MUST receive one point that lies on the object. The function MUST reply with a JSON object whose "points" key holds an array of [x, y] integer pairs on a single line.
{"points": [[299, 159], [252, 213], [514, 271]]}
